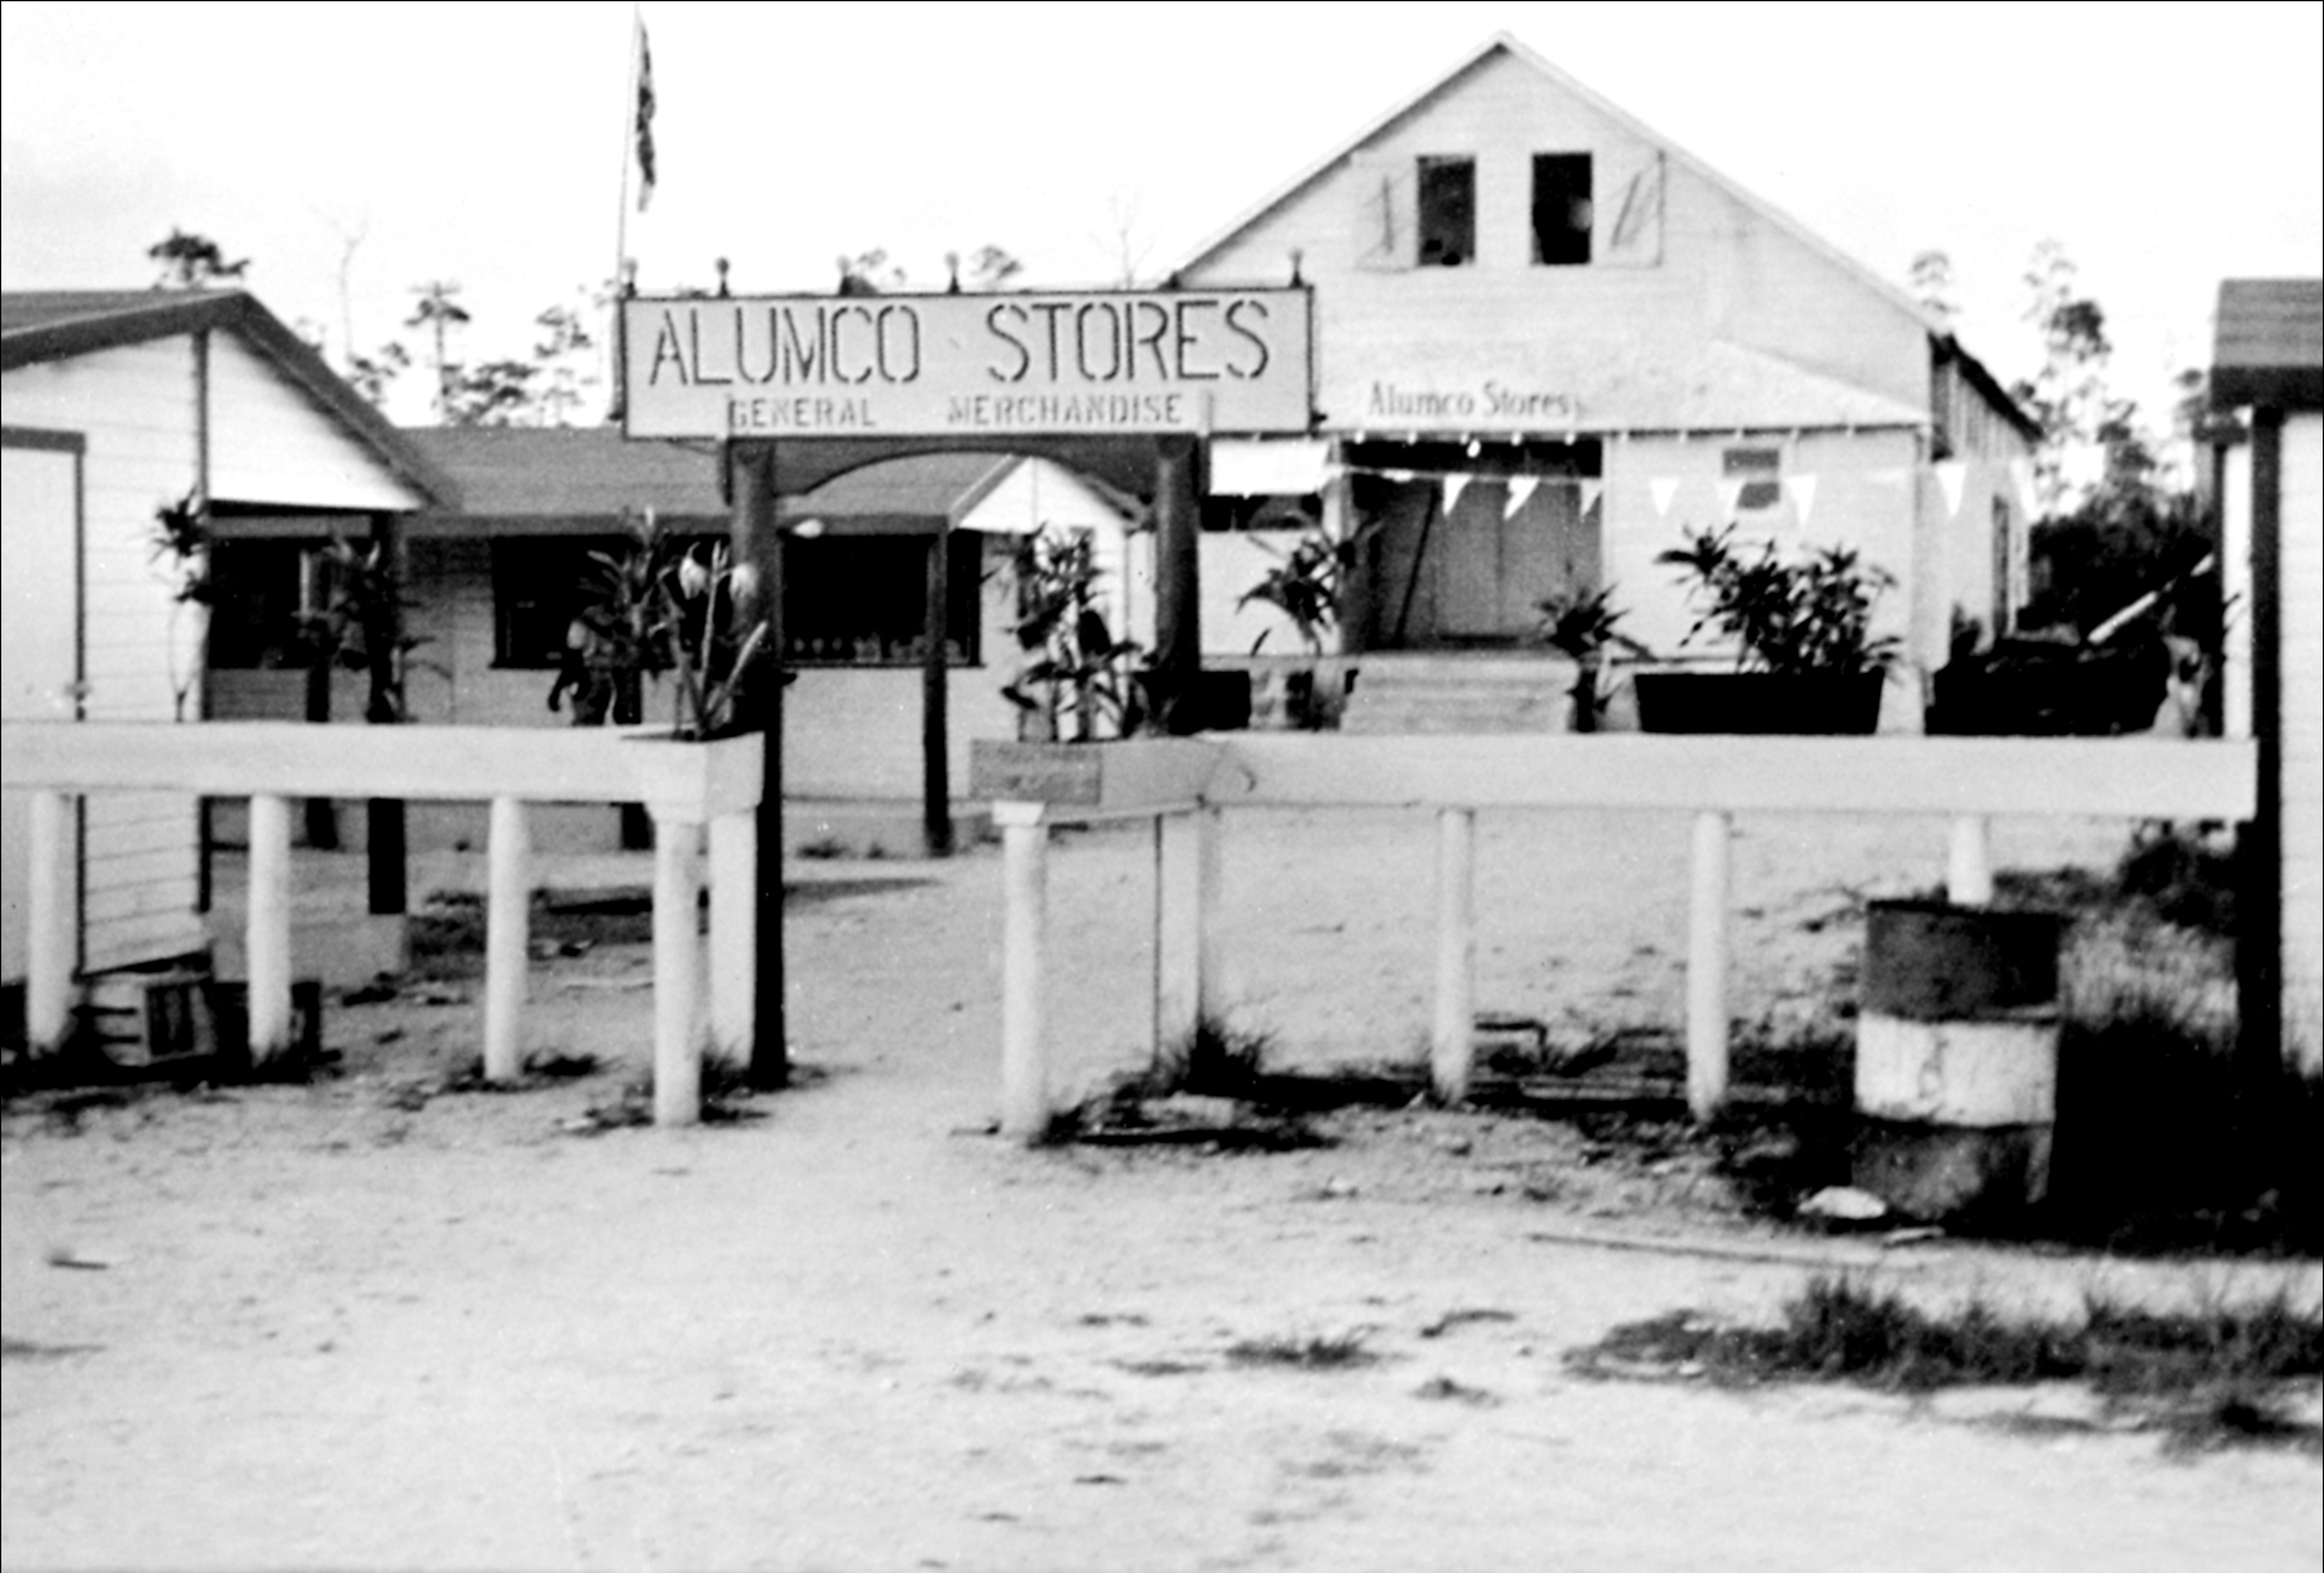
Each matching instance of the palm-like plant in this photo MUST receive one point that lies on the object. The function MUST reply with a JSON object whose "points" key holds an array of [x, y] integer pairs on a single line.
{"points": [[1811, 614], [1073, 666]]}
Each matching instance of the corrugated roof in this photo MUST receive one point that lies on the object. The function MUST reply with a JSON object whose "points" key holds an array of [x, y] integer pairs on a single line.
{"points": [[51, 325], [2269, 348]]}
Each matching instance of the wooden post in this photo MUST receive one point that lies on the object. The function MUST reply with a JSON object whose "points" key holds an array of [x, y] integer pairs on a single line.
{"points": [[269, 935], [1186, 972], [1968, 869], [758, 545], [1177, 589], [1025, 900], [936, 679], [1706, 967], [1451, 1042], [508, 915], [734, 933], [678, 971], [50, 923]]}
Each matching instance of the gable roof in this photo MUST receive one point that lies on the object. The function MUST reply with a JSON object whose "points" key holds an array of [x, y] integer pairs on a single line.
{"points": [[38, 327], [1507, 43], [2269, 344]]}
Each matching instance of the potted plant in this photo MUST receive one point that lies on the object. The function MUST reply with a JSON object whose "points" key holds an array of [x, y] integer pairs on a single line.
{"points": [[1305, 587], [1079, 706], [1806, 658], [1583, 628]]}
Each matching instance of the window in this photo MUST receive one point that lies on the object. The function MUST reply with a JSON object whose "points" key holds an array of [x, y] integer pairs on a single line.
{"points": [[862, 600], [1563, 211], [1757, 474], [1448, 212], [259, 591], [538, 586]]}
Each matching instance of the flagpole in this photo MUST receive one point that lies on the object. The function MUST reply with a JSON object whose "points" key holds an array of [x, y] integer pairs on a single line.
{"points": [[617, 410]]}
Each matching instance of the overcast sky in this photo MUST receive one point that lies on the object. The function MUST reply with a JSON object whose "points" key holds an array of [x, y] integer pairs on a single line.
{"points": [[2166, 146]]}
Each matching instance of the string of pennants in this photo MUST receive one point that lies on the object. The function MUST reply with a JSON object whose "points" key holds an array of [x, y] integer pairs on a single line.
{"points": [[1798, 487]]}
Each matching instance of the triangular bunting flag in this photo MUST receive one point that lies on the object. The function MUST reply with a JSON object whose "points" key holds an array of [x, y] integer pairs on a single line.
{"points": [[1664, 489], [1520, 490], [1803, 490], [1951, 476], [1592, 490], [1453, 487], [1730, 493]]}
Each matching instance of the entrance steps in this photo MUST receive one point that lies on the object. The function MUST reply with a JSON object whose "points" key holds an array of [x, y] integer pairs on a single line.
{"points": [[1453, 693]]}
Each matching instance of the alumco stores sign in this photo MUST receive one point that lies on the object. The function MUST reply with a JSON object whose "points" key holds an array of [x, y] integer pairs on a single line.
{"points": [[916, 365]]}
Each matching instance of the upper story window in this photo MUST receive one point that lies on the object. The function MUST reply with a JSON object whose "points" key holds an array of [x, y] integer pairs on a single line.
{"points": [[1448, 212], [1562, 208]]}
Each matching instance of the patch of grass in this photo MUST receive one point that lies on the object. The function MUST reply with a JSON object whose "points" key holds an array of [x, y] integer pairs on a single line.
{"points": [[1305, 1351], [726, 1094], [1219, 1059], [2206, 1376]]}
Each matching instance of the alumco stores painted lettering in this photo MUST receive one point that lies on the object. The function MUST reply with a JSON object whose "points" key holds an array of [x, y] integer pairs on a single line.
{"points": [[923, 366]]}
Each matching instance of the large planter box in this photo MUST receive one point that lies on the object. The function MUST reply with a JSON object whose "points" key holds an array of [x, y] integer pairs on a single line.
{"points": [[1816, 704], [1134, 773], [685, 779]]}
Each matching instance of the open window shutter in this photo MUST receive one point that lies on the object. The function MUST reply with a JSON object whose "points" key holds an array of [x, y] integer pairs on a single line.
{"points": [[1386, 216], [1629, 207]]}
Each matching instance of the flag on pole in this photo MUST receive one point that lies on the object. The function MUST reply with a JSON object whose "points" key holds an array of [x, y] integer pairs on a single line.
{"points": [[645, 114]]}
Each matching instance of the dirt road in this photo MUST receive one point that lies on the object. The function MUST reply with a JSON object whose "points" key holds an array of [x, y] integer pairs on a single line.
{"points": [[357, 1325]]}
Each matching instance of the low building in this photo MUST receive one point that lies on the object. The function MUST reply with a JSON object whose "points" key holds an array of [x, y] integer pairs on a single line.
{"points": [[1549, 341], [117, 406], [494, 583], [2267, 371]]}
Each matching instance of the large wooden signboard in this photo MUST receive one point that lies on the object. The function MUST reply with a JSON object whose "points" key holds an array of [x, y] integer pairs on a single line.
{"points": [[982, 366]]}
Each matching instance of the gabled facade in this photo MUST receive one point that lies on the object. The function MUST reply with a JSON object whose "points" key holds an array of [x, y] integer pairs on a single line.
{"points": [[116, 404], [1548, 341]]}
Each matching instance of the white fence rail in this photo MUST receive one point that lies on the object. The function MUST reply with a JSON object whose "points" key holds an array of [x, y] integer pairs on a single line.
{"points": [[685, 786], [1967, 780]]}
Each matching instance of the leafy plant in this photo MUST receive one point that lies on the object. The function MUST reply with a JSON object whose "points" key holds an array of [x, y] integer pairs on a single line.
{"points": [[181, 534], [1812, 614], [1304, 585], [1583, 628], [663, 605], [1075, 683]]}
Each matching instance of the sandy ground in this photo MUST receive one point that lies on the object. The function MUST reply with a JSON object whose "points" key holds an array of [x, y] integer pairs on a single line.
{"points": [[354, 1325]]}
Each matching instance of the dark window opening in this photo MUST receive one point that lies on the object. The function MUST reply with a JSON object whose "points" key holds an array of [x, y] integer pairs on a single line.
{"points": [[1562, 208], [1448, 212], [259, 593], [1223, 515], [862, 600], [1761, 471], [539, 587]]}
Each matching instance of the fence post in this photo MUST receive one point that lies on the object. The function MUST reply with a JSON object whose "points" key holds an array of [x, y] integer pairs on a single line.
{"points": [[508, 912], [678, 969], [1968, 869], [1706, 965], [1025, 898], [50, 923], [734, 934], [268, 931], [1186, 980], [1451, 1044]]}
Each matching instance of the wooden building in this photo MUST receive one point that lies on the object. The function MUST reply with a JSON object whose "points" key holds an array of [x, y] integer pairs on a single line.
{"points": [[115, 406], [1549, 341], [495, 583], [2267, 371]]}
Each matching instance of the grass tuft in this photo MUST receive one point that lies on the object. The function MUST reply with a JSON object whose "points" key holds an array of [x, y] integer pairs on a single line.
{"points": [[1308, 1352]]}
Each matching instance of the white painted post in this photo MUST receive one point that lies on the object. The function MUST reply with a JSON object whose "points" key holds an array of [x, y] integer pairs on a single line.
{"points": [[508, 914], [1186, 972], [1453, 1040], [678, 970], [1025, 899], [50, 922], [1969, 870], [734, 934], [1706, 967], [269, 933]]}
